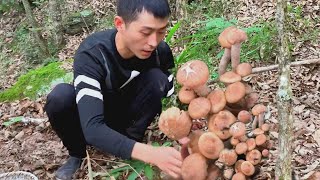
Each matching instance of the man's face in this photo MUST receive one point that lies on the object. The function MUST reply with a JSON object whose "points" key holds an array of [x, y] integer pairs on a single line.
{"points": [[142, 36]]}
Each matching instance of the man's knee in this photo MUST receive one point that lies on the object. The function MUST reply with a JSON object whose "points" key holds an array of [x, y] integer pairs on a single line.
{"points": [[159, 81], [60, 98]]}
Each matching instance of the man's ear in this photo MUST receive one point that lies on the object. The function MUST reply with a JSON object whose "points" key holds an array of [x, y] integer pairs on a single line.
{"points": [[119, 23]]}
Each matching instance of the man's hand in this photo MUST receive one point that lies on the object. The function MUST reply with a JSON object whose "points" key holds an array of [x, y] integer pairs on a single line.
{"points": [[168, 159]]}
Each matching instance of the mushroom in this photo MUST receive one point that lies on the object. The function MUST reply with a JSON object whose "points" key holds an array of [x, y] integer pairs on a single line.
{"points": [[194, 139], [244, 69], [238, 129], [237, 165], [254, 156], [217, 99], [261, 139], [199, 107], [229, 77], [228, 157], [210, 145], [247, 168], [238, 176], [194, 167], [265, 127], [251, 143], [234, 141], [244, 116], [220, 124], [241, 148], [231, 39], [194, 74], [186, 94], [251, 99], [175, 123], [258, 111], [265, 153], [235, 92]]}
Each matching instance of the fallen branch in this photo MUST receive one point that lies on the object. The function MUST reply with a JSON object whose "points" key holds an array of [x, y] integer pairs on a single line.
{"points": [[296, 63]]}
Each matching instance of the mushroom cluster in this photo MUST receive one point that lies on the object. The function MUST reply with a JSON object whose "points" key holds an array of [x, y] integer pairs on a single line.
{"points": [[233, 139]]}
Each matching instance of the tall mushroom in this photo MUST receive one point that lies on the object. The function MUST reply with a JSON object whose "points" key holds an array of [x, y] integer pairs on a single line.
{"points": [[231, 39], [194, 74]]}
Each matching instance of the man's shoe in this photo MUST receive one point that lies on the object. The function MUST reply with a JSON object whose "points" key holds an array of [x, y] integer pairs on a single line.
{"points": [[66, 171]]}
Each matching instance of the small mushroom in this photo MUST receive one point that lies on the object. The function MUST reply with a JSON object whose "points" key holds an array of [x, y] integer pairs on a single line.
{"points": [[175, 123], [229, 77], [244, 116], [235, 92], [244, 69], [210, 145], [261, 139], [194, 167], [199, 107], [186, 94], [241, 148], [254, 156], [220, 124], [251, 143], [194, 136], [228, 157], [194, 74], [265, 153], [247, 168], [251, 99], [217, 99], [238, 129], [237, 165], [259, 110], [238, 176]]}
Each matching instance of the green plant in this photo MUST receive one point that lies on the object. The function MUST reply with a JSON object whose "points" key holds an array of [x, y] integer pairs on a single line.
{"points": [[30, 84]]}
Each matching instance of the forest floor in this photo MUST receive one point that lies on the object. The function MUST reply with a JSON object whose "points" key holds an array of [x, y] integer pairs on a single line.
{"points": [[34, 147]]}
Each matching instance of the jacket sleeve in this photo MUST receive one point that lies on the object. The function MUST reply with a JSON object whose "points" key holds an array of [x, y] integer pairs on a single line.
{"points": [[88, 76]]}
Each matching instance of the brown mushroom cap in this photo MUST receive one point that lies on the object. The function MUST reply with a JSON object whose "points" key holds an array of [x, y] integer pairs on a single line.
{"points": [[194, 139], [223, 37], [261, 139], [199, 107], [210, 145], [186, 94], [217, 99], [238, 129], [254, 156], [258, 109], [228, 157], [238, 176], [241, 148], [265, 127], [251, 143], [194, 167], [244, 69], [193, 73], [236, 35], [230, 77], [235, 92], [175, 123], [265, 153], [247, 168], [220, 124], [237, 165], [234, 141], [244, 116]]}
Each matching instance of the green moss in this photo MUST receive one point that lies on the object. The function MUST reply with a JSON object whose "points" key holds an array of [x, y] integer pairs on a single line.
{"points": [[29, 84]]}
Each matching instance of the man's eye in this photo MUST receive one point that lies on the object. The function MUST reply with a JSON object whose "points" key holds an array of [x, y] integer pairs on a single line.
{"points": [[145, 33]]}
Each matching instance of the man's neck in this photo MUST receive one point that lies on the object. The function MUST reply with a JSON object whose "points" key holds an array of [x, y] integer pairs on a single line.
{"points": [[124, 52]]}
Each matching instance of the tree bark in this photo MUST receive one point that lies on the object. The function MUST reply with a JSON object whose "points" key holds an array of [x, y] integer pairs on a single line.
{"points": [[55, 19], [284, 98], [41, 42]]}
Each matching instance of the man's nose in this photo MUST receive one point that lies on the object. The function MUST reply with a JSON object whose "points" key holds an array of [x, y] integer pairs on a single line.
{"points": [[153, 40]]}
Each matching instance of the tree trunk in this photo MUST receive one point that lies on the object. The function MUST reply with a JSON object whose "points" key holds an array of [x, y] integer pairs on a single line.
{"points": [[55, 20], [41, 42], [284, 97]]}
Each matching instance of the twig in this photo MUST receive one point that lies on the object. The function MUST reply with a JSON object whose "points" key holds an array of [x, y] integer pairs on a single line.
{"points": [[90, 174], [296, 63], [125, 164]]}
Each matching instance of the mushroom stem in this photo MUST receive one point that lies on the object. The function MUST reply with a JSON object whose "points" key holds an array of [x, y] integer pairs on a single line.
{"points": [[224, 61], [235, 55], [261, 119], [255, 122]]}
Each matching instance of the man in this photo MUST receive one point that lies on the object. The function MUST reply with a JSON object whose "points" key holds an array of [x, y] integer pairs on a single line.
{"points": [[120, 77]]}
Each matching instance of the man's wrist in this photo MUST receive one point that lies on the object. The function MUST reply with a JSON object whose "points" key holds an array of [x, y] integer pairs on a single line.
{"points": [[142, 152]]}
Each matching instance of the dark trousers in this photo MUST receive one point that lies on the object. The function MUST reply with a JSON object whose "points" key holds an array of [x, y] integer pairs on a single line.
{"points": [[129, 111]]}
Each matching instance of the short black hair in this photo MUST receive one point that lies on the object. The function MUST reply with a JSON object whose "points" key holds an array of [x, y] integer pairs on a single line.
{"points": [[130, 9]]}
